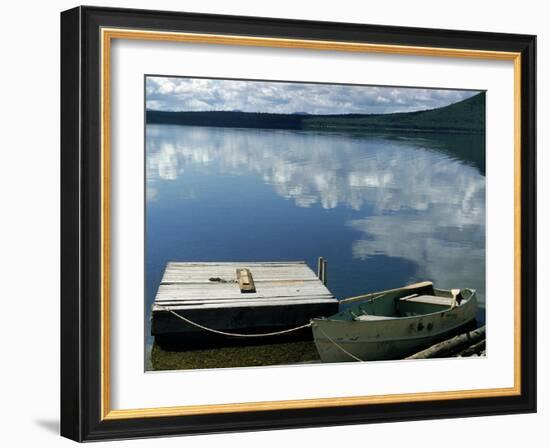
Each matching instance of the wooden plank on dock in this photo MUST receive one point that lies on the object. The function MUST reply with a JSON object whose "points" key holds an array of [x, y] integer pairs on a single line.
{"points": [[201, 273], [233, 304], [232, 291], [245, 280]]}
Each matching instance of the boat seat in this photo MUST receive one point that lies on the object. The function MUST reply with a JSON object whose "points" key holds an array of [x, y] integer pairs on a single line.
{"points": [[431, 300]]}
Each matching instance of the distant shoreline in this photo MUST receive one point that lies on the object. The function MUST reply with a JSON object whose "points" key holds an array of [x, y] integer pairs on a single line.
{"points": [[464, 117], [333, 129]]}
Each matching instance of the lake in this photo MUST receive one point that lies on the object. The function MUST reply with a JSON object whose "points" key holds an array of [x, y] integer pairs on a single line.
{"points": [[384, 209]]}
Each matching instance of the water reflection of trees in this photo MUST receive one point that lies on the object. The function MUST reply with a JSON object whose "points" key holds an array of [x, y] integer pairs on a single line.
{"points": [[426, 203]]}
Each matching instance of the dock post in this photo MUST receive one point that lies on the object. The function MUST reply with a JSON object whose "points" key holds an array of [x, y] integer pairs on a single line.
{"points": [[322, 270]]}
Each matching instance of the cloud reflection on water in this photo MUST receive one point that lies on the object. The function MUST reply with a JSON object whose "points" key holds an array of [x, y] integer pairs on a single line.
{"points": [[421, 205]]}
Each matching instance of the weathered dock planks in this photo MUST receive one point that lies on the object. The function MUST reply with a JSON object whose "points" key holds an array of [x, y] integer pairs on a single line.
{"points": [[285, 295]]}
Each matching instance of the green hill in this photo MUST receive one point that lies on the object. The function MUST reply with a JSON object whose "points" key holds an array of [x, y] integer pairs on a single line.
{"points": [[467, 116]]}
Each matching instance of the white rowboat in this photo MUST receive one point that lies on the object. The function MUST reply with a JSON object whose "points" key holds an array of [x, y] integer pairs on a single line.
{"points": [[393, 324]]}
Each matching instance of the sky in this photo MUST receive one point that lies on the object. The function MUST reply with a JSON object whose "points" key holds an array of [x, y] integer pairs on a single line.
{"points": [[194, 94]]}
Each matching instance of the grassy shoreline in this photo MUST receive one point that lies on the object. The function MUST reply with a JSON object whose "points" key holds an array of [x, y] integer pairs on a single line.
{"points": [[293, 352]]}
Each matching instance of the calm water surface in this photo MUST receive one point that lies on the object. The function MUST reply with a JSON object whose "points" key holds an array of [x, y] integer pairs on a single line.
{"points": [[384, 209]]}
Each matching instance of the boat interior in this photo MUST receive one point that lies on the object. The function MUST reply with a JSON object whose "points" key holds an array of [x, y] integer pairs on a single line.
{"points": [[402, 303]]}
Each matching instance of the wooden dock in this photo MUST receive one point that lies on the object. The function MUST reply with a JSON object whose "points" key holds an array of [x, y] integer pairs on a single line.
{"points": [[238, 297]]}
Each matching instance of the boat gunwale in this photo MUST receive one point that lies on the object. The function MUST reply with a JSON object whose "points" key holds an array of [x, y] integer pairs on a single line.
{"points": [[400, 318], [405, 338]]}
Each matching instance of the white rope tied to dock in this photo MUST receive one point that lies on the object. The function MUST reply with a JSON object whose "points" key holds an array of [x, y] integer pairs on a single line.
{"points": [[225, 333], [258, 335]]}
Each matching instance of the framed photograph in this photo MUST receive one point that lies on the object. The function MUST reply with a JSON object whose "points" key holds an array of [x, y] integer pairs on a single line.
{"points": [[273, 223]]}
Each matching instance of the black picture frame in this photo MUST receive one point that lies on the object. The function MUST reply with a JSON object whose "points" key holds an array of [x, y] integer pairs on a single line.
{"points": [[81, 380]]}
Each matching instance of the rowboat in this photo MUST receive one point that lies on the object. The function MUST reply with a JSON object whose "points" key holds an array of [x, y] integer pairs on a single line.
{"points": [[393, 324]]}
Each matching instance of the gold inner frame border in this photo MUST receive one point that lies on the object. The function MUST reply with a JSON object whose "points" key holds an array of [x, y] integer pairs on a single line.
{"points": [[107, 35]]}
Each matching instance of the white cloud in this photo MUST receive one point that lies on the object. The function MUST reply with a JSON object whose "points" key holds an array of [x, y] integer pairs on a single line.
{"points": [[172, 94]]}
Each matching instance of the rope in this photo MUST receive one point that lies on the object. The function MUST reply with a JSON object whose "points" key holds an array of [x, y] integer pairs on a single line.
{"points": [[224, 333], [257, 335], [338, 346]]}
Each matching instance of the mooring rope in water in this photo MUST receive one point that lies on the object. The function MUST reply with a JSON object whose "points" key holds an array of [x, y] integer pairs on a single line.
{"points": [[339, 346], [224, 333], [258, 335]]}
